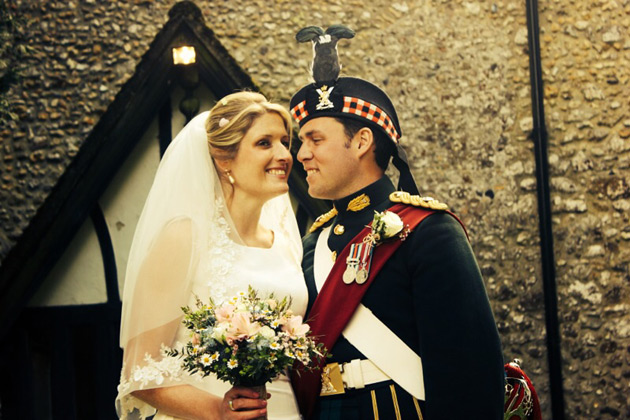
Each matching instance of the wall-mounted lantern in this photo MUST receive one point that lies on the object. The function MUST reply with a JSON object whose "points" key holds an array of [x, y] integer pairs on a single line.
{"points": [[184, 59], [184, 55]]}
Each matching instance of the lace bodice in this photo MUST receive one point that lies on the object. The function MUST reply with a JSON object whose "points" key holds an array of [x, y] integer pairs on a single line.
{"points": [[227, 269], [231, 267]]}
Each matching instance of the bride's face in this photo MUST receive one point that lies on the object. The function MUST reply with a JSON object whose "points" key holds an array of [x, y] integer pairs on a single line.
{"points": [[262, 164]]}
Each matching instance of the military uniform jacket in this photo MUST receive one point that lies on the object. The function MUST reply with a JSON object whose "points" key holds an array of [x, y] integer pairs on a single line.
{"points": [[431, 295]]}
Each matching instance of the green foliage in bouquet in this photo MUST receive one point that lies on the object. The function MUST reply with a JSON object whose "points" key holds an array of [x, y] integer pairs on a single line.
{"points": [[247, 341]]}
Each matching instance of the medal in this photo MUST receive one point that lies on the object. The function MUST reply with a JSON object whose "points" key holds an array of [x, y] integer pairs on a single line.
{"points": [[352, 264], [362, 276], [365, 261], [349, 275], [358, 263]]}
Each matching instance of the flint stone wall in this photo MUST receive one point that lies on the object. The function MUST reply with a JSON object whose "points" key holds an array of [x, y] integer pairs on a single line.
{"points": [[458, 74], [586, 56]]}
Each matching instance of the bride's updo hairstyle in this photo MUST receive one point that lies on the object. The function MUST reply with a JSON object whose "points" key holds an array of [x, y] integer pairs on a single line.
{"points": [[231, 118]]}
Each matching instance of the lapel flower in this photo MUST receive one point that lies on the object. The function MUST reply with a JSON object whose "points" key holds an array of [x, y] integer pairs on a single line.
{"points": [[385, 225]]}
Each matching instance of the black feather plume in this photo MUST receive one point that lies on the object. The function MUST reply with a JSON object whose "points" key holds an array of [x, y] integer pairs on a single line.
{"points": [[340, 31], [325, 67], [309, 33]]}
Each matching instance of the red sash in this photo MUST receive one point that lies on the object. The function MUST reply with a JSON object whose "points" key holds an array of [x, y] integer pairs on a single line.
{"points": [[336, 302]]}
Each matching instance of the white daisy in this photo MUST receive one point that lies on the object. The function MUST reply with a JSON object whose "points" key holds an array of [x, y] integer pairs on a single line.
{"points": [[205, 360]]}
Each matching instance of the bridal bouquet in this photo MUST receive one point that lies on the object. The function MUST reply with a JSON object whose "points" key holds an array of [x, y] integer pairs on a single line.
{"points": [[246, 341]]}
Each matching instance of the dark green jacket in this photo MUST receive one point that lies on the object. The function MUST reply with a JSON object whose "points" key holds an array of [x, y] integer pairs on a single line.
{"points": [[431, 295]]}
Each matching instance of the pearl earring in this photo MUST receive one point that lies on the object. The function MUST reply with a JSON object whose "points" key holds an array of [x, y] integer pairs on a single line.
{"points": [[228, 173]]}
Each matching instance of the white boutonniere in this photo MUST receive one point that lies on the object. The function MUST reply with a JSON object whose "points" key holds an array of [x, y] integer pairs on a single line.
{"points": [[387, 225]]}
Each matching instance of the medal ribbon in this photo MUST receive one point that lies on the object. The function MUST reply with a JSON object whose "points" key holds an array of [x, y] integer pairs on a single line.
{"points": [[352, 264], [336, 302], [366, 258]]}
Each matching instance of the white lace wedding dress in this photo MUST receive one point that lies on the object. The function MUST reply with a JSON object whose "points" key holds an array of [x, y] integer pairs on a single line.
{"points": [[186, 246], [267, 270], [233, 270]]}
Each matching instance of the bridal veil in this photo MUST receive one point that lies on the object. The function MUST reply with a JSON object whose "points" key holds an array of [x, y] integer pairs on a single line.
{"points": [[177, 229]]}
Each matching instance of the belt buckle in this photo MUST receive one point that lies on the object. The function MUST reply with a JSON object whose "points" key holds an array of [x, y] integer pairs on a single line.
{"points": [[332, 384]]}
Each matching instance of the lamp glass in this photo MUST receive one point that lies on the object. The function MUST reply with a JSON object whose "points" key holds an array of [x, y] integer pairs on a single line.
{"points": [[184, 55]]}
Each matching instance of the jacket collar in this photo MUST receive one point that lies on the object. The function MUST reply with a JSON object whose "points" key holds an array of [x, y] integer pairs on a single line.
{"points": [[357, 203]]}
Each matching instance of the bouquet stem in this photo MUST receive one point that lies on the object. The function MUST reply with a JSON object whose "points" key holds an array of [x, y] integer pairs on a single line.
{"points": [[262, 394]]}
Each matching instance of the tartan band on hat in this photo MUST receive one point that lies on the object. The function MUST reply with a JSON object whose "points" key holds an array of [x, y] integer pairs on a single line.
{"points": [[370, 112], [299, 112]]}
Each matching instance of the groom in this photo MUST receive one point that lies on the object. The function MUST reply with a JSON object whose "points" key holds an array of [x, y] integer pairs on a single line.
{"points": [[398, 297]]}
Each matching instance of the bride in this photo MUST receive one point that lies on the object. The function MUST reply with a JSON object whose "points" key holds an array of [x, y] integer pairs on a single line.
{"points": [[217, 219]]}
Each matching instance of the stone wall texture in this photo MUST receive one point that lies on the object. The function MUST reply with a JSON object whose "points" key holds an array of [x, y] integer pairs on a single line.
{"points": [[586, 63], [458, 74]]}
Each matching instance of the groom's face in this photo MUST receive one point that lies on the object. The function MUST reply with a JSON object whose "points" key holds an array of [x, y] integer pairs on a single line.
{"points": [[329, 158]]}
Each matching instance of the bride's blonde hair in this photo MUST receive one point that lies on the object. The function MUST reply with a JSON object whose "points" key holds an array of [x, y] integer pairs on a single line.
{"points": [[231, 118]]}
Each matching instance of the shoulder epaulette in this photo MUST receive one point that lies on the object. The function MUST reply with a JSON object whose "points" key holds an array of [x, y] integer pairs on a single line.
{"points": [[323, 219], [416, 200]]}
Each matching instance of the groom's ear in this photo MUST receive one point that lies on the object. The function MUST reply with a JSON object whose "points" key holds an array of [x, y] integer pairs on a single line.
{"points": [[364, 140]]}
